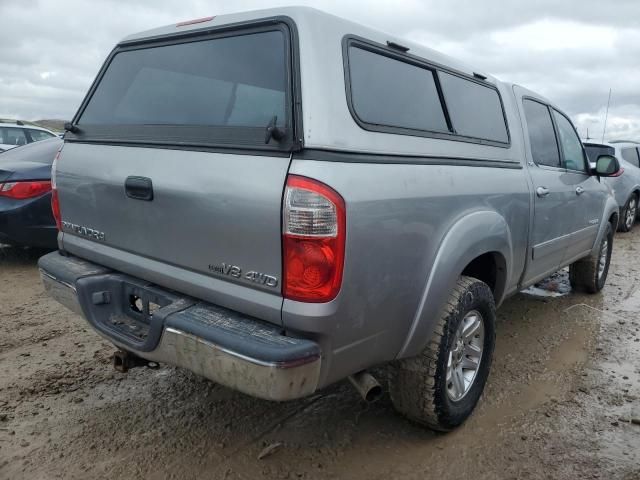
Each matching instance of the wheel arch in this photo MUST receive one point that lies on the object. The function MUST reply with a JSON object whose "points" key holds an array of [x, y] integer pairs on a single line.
{"points": [[635, 190], [614, 219], [491, 268], [478, 244], [611, 216]]}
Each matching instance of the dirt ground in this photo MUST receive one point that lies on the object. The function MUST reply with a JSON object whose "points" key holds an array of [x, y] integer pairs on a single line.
{"points": [[560, 401]]}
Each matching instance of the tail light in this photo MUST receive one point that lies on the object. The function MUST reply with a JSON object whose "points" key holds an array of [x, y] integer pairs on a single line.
{"points": [[55, 202], [314, 223], [24, 190]]}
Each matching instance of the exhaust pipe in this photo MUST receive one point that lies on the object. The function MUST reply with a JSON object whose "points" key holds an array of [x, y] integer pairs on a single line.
{"points": [[125, 361], [367, 386]]}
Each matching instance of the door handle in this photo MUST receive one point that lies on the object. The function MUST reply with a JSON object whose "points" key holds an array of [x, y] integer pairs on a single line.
{"points": [[139, 188], [579, 191], [542, 191]]}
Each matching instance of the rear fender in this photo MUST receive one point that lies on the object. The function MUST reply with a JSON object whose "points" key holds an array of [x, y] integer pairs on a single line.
{"points": [[611, 208], [471, 236]]}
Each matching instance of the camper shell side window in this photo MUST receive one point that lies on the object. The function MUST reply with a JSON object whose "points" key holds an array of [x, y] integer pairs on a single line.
{"points": [[391, 91]]}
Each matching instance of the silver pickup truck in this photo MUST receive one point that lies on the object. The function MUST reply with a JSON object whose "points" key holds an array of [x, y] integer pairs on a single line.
{"points": [[279, 200]]}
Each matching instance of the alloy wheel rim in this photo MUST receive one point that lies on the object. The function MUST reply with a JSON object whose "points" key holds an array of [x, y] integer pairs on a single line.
{"points": [[631, 213], [465, 356], [602, 260]]}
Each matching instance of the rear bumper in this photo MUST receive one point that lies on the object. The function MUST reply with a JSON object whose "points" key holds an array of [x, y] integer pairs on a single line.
{"points": [[227, 347]]}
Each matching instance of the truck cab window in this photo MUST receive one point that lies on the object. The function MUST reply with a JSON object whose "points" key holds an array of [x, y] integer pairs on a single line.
{"points": [[570, 143], [544, 146]]}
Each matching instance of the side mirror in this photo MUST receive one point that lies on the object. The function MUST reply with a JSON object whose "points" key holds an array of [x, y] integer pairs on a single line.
{"points": [[607, 166]]}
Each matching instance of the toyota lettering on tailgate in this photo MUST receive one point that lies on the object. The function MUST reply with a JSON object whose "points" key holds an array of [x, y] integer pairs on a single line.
{"points": [[83, 231]]}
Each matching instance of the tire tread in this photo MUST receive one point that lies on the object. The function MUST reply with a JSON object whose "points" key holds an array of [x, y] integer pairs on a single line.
{"points": [[583, 274], [413, 382]]}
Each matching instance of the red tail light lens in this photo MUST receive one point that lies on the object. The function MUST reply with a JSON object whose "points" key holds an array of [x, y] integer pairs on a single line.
{"points": [[314, 223], [24, 190]]}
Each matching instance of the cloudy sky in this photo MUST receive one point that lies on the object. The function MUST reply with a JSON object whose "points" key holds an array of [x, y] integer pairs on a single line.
{"points": [[572, 51]]}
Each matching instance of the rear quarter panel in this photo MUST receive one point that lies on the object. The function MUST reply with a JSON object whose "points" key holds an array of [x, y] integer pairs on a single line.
{"points": [[400, 220]]}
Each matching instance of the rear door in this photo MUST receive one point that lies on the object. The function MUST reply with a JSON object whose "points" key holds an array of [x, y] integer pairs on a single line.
{"points": [[552, 225], [585, 206], [173, 174]]}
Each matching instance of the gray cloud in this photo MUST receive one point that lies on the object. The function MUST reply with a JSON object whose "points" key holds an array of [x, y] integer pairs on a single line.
{"points": [[571, 51]]}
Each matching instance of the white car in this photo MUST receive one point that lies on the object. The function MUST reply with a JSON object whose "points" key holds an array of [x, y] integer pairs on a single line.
{"points": [[16, 134], [626, 184]]}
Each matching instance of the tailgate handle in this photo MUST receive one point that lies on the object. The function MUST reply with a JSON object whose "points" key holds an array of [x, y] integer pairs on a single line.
{"points": [[139, 188]]}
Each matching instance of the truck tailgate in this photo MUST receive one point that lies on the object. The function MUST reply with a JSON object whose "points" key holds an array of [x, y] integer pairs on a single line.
{"points": [[211, 215]]}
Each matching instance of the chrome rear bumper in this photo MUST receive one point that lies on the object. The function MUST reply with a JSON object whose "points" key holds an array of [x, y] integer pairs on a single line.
{"points": [[226, 347]]}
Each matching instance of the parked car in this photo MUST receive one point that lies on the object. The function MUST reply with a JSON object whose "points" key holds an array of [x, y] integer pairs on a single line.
{"points": [[626, 184], [278, 200], [25, 195], [15, 134]]}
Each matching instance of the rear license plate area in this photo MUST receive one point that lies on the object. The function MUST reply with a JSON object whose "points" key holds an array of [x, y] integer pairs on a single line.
{"points": [[135, 315], [126, 309]]}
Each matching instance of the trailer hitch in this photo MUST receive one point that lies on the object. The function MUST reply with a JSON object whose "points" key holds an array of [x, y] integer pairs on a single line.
{"points": [[124, 361]]}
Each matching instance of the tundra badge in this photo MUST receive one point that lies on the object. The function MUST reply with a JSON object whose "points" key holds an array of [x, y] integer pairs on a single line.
{"points": [[83, 231]]}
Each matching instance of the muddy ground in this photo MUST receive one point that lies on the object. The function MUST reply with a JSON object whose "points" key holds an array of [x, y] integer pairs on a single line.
{"points": [[564, 388]]}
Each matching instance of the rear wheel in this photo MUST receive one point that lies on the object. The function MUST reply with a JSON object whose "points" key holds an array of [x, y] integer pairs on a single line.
{"points": [[590, 273], [440, 387], [629, 214]]}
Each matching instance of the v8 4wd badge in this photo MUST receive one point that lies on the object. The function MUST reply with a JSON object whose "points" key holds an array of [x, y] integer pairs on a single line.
{"points": [[236, 272]]}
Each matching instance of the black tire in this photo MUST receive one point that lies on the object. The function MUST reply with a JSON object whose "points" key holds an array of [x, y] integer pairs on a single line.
{"points": [[418, 385], [585, 275], [629, 214]]}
